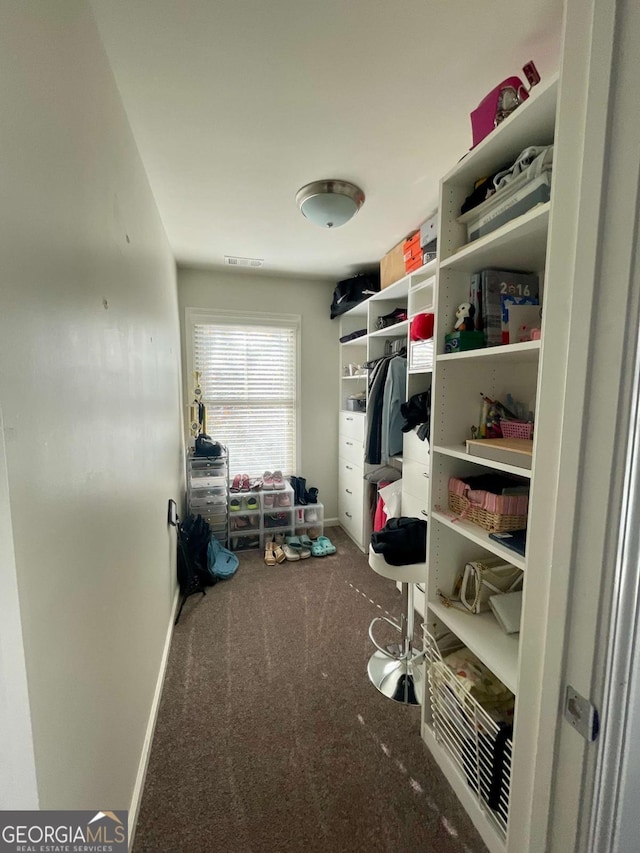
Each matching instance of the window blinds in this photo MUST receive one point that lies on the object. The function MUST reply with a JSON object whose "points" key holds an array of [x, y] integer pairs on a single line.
{"points": [[249, 390]]}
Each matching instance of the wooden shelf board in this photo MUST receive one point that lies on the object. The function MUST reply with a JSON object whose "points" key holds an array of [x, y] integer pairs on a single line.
{"points": [[481, 633], [398, 330], [517, 245], [527, 351], [458, 451], [476, 534]]}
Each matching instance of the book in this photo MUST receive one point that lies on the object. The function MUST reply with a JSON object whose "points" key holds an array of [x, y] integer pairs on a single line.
{"points": [[497, 286], [510, 451], [516, 540]]}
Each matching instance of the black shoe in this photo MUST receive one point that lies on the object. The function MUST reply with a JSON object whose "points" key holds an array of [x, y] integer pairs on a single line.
{"points": [[300, 494], [311, 496]]}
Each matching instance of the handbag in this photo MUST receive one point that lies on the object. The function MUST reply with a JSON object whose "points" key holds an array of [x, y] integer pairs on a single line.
{"points": [[483, 578]]}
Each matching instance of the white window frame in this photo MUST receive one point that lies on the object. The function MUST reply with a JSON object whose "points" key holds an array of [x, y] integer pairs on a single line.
{"points": [[198, 316]]}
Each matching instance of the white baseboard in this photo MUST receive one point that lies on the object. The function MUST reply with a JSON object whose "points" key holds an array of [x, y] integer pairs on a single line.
{"points": [[138, 788], [331, 522]]}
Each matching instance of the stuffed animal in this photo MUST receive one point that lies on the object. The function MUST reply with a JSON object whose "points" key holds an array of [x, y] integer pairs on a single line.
{"points": [[464, 317]]}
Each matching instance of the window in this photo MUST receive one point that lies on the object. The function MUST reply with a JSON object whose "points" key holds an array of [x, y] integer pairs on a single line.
{"points": [[249, 370]]}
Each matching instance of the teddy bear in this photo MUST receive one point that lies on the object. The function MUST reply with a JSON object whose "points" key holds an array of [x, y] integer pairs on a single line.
{"points": [[464, 317]]}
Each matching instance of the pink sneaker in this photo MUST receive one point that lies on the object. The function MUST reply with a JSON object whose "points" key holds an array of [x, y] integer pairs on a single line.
{"points": [[284, 499], [267, 480], [268, 501], [278, 482]]}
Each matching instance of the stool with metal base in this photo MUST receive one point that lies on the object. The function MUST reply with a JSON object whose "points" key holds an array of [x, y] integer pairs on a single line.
{"points": [[396, 671]]}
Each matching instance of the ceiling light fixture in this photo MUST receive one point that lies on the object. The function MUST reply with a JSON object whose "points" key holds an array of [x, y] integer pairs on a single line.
{"points": [[329, 203]]}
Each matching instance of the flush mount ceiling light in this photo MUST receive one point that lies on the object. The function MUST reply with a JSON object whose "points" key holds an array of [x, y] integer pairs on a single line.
{"points": [[329, 203]]}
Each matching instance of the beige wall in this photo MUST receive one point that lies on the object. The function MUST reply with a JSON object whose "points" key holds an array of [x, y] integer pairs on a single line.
{"points": [[90, 394], [234, 290]]}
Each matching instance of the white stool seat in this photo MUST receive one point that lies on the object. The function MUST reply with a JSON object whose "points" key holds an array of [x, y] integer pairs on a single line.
{"points": [[412, 573]]}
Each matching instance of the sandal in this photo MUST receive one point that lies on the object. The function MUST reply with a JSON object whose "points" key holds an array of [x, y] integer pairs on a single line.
{"points": [[289, 553], [327, 544], [244, 485], [269, 555], [313, 547], [235, 486], [278, 553]]}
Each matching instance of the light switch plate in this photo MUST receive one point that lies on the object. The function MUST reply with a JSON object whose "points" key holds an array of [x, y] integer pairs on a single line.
{"points": [[581, 714]]}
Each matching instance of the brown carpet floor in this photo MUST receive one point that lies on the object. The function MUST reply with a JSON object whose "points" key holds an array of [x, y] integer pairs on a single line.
{"points": [[270, 738]]}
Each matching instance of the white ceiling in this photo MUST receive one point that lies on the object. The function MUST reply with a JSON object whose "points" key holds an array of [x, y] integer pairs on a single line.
{"points": [[235, 104]]}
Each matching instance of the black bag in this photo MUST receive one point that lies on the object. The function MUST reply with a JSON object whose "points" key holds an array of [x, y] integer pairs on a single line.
{"points": [[195, 536], [352, 291], [206, 446], [401, 541]]}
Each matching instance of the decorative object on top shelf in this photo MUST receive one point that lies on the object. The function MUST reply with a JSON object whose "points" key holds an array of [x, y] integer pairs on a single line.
{"points": [[352, 291], [501, 102], [465, 313], [329, 203]]}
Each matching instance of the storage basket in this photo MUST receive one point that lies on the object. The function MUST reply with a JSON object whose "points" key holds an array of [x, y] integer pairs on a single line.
{"points": [[516, 429], [479, 746], [495, 513]]}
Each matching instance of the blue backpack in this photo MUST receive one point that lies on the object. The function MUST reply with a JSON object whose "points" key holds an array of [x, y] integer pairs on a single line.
{"points": [[222, 563]]}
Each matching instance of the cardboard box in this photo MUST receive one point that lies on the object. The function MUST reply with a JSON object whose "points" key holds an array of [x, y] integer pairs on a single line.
{"points": [[429, 230], [392, 266]]}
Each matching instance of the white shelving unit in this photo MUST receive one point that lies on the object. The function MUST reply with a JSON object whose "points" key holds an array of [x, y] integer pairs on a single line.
{"points": [[458, 380]]}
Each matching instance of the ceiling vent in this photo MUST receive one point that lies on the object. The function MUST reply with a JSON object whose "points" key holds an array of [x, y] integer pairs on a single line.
{"points": [[231, 261]]}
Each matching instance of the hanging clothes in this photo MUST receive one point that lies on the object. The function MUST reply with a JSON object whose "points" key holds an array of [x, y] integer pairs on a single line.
{"points": [[383, 407], [395, 396]]}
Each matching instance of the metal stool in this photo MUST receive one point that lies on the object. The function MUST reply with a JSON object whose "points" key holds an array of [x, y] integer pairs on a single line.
{"points": [[396, 671]]}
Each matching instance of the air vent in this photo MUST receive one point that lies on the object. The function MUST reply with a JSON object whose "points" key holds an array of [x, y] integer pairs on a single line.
{"points": [[230, 261]]}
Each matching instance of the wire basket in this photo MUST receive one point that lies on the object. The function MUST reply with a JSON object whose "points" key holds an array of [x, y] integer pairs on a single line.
{"points": [[495, 513], [477, 744], [516, 429]]}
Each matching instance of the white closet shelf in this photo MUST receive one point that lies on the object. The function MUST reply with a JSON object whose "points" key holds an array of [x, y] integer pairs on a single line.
{"points": [[361, 376], [356, 342], [481, 633], [398, 330], [532, 123], [458, 451], [520, 244], [416, 371], [476, 534], [527, 351], [359, 310], [401, 287]]}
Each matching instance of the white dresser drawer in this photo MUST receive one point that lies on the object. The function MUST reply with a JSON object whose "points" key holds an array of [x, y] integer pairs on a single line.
{"points": [[350, 513], [349, 471], [351, 449], [415, 477], [352, 425], [415, 507]]}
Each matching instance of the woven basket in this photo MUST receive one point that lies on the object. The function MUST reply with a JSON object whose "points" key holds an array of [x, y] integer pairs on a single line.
{"points": [[495, 513], [516, 429]]}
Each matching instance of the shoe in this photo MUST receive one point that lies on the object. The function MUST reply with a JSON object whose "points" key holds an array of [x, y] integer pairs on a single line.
{"points": [[290, 553], [235, 486], [314, 532], [301, 486], [244, 485], [255, 484], [269, 501], [235, 505], [269, 555], [267, 480], [311, 515], [278, 481], [284, 499], [311, 496], [315, 549], [295, 543], [327, 544], [252, 503]]}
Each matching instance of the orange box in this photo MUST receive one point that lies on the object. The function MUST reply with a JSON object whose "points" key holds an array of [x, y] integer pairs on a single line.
{"points": [[414, 264], [411, 247]]}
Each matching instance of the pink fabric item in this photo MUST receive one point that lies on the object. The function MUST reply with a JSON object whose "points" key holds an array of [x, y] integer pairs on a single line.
{"points": [[380, 515]]}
